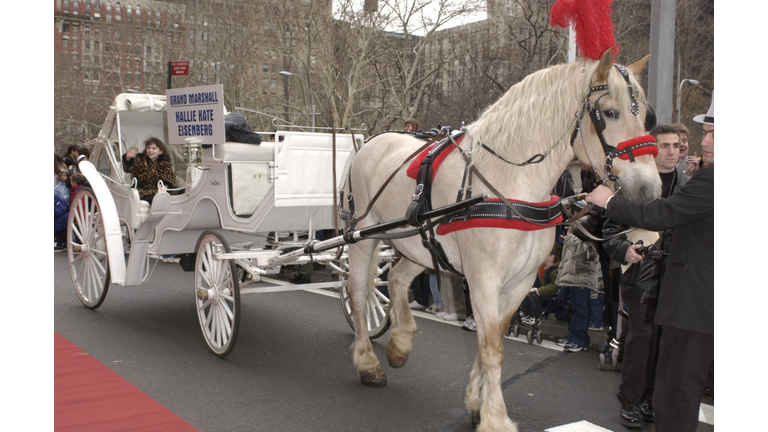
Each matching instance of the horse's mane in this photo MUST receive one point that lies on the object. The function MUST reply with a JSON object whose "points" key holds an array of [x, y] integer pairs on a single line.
{"points": [[536, 112]]}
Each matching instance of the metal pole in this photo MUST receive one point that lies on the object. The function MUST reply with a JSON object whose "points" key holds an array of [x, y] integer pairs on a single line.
{"points": [[679, 94], [168, 84]]}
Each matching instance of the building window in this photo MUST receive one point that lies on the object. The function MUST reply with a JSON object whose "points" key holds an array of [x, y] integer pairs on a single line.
{"points": [[75, 7], [96, 46], [97, 9], [129, 12], [118, 12], [148, 51], [266, 67], [65, 43], [138, 13], [65, 27], [87, 44]]}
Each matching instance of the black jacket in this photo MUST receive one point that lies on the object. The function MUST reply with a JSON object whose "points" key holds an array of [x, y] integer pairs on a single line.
{"points": [[640, 282], [687, 295]]}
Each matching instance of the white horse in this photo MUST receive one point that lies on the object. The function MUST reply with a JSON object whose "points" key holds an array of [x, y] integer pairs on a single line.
{"points": [[535, 115]]}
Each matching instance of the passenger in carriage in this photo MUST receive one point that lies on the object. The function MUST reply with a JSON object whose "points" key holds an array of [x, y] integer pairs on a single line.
{"points": [[149, 167]]}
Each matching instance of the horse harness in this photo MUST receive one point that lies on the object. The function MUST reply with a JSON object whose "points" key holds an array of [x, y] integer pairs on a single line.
{"points": [[538, 215]]}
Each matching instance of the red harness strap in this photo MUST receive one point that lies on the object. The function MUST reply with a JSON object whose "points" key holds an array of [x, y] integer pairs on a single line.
{"points": [[496, 222], [413, 168]]}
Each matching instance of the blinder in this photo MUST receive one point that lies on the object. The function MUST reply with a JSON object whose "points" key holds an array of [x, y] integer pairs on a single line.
{"points": [[597, 118]]}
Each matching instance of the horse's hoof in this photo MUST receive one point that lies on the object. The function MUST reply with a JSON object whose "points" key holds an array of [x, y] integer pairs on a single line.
{"points": [[475, 418], [374, 377], [395, 358]]}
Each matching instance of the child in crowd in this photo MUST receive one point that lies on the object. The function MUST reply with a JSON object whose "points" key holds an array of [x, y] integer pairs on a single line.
{"points": [[581, 274], [543, 287], [61, 186], [77, 181], [60, 218]]}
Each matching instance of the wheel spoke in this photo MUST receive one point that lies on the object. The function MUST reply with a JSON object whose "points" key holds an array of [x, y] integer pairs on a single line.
{"points": [[380, 296], [226, 309]]}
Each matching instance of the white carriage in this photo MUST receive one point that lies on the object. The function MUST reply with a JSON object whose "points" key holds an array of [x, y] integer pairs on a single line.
{"points": [[240, 207]]}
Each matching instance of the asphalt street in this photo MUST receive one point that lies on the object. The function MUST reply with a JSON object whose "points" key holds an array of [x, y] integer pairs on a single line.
{"points": [[291, 368]]}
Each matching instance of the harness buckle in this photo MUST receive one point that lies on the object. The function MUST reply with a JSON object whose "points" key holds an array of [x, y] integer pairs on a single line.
{"points": [[419, 190]]}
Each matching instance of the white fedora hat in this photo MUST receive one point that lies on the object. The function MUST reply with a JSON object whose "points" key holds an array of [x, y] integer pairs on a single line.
{"points": [[709, 117]]}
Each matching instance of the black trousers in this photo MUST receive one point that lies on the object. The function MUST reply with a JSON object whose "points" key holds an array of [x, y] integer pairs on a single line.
{"points": [[638, 372], [421, 291], [685, 358]]}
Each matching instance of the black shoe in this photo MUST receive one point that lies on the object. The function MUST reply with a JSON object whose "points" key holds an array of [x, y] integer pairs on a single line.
{"points": [[646, 411], [630, 416]]}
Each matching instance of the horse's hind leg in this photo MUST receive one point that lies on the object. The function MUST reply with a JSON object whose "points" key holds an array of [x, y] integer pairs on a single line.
{"points": [[361, 256], [403, 326]]}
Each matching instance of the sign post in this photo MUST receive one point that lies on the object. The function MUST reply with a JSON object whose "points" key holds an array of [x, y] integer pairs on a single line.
{"points": [[180, 68], [196, 112]]}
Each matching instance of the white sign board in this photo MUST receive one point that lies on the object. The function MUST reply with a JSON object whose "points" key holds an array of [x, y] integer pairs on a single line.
{"points": [[196, 112]]}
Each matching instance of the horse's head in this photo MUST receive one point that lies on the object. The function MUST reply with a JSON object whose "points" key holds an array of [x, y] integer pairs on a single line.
{"points": [[612, 137]]}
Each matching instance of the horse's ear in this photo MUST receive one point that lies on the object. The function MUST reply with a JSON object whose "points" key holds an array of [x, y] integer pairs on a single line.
{"points": [[637, 66], [606, 61]]}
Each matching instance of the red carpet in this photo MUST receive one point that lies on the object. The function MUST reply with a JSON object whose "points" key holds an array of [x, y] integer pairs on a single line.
{"points": [[88, 396]]}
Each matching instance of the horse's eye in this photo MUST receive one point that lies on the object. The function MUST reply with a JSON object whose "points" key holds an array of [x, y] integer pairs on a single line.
{"points": [[612, 114]]}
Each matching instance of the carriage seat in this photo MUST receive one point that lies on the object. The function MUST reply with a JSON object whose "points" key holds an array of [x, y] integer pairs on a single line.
{"points": [[239, 152]]}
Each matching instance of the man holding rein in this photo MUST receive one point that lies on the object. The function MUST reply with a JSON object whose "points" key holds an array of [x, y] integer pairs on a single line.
{"points": [[685, 308]]}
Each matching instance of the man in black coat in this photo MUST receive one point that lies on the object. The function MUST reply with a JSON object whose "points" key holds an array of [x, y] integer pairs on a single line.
{"points": [[685, 308], [639, 289]]}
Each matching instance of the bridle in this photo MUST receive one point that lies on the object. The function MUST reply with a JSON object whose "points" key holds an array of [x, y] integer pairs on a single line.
{"points": [[625, 150]]}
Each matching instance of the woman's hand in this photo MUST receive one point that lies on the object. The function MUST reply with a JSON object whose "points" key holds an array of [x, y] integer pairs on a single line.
{"points": [[131, 153]]}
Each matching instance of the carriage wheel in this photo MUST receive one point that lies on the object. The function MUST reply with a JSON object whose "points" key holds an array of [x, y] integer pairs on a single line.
{"points": [[516, 331], [529, 337], [87, 249], [538, 336], [376, 311], [217, 294]]}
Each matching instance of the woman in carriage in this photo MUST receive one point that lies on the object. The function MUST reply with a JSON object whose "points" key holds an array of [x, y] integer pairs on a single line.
{"points": [[149, 167]]}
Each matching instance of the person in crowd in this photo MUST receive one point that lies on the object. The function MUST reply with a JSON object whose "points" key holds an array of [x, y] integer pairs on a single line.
{"points": [[437, 299], [685, 309], [149, 167], [639, 288], [77, 180], [543, 287], [61, 186], [411, 125], [469, 322], [580, 273], [72, 152], [58, 168], [689, 164], [454, 298], [60, 218], [420, 289]]}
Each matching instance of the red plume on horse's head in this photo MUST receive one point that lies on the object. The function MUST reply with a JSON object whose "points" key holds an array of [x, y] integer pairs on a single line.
{"points": [[592, 23]]}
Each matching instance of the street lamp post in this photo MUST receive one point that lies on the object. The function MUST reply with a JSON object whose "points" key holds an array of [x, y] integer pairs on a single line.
{"points": [[680, 90], [311, 95]]}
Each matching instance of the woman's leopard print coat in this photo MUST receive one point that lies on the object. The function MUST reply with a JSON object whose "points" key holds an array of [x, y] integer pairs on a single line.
{"points": [[148, 172]]}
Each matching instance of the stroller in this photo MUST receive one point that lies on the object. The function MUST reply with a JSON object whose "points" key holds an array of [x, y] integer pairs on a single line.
{"points": [[559, 305]]}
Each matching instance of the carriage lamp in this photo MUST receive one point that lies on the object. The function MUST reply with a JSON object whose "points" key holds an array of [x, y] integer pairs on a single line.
{"points": [[192, 151]]}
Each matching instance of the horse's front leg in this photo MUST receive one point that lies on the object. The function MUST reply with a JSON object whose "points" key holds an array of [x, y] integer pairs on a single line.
{"points": [[361, 255], [403, 326], [484, 398]]}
